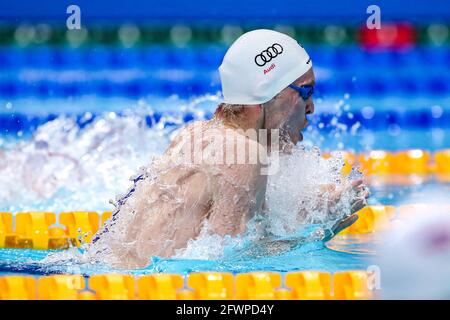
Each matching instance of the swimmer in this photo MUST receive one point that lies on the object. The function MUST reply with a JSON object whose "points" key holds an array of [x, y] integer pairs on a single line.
{"points": [[267, 83]]}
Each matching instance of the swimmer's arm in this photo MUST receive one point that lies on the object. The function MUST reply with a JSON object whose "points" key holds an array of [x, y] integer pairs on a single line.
{"points": [[339, 226], [270, 245]]}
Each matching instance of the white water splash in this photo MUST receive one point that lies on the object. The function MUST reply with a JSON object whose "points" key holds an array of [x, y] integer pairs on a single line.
{"points": [[296, 195]]}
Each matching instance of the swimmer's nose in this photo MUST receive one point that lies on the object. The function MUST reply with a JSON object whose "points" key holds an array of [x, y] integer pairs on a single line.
{"points": [[310, 108]]}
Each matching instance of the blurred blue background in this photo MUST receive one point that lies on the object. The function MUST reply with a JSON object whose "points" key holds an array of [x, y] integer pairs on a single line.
{"points": [[308, 11]]}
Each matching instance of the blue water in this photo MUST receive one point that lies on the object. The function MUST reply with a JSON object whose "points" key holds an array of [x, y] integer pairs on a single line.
{"points": [[130, 101], [311, 256]]}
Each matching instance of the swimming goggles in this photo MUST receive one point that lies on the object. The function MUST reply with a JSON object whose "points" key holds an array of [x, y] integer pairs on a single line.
{"points": [[305, 91]]}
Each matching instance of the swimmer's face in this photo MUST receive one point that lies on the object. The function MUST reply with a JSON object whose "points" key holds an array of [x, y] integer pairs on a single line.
{"points": [[287, 111]]}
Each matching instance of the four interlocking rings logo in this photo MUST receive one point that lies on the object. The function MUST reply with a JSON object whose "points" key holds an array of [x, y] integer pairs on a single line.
{"points": [[268, 54]]}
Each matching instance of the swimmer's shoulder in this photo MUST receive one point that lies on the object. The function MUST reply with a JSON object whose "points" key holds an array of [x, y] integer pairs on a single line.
{"points": [[255, 152], [250, 156], [184, 133], [190, 128]]}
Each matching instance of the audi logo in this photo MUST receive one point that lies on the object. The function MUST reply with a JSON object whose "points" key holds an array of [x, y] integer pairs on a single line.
{"points": [[268, 54]]}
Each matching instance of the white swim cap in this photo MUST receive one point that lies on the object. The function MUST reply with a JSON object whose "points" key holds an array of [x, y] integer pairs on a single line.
{"points": [[259, 64]]}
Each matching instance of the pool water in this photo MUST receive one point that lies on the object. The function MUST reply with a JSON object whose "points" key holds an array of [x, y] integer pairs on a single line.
{"points": [[312, 256], [72, 145]]}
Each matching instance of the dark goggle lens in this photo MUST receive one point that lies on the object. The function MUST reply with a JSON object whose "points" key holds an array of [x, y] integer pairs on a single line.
{"points": [[307, 92], [304, 91]]}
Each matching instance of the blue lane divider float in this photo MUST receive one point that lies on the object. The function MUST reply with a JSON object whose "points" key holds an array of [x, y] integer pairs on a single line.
{"points": [[190, 84], [46, 71], [420, 119], [134, 88], [210, 56], [12, 58]]}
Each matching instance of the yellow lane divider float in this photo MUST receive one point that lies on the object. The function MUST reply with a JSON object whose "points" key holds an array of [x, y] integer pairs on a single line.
{"points": [[400, 167], [310, 285], [37, 230], [47, 230]]}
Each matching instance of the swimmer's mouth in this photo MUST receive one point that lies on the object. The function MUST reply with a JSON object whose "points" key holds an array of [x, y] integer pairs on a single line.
{"points": [[305, 124]]}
